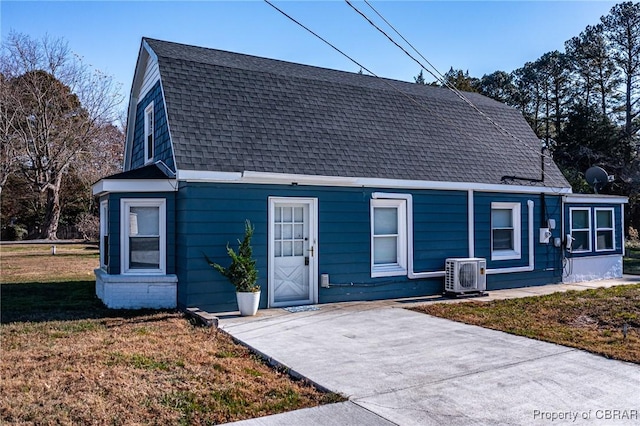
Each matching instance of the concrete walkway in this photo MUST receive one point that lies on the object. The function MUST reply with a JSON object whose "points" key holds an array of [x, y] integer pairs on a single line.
{"points": [[406, 368]]}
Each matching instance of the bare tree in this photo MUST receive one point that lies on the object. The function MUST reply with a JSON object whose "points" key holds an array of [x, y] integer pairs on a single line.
{"points": [[56, 111]]}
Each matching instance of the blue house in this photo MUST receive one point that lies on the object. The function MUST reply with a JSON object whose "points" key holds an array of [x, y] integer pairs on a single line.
{"points": [[359, 188]]}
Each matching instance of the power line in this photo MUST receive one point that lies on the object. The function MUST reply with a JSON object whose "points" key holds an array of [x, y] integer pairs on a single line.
{"points": [[448, 85], [350, 58]]}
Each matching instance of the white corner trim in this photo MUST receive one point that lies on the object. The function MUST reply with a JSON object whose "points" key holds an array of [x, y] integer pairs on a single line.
{"points": [[291, 179], [106, 186], [471, 223]]}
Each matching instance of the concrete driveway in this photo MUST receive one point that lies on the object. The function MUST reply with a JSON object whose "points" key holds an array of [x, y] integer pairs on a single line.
{"points": [[402, 367]]}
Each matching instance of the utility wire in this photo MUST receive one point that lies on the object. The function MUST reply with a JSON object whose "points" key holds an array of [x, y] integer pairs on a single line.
{"points": [[351, 59], [419, 104], [442, 80]]}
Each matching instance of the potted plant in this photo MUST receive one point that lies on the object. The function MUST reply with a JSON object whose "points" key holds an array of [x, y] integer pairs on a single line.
{"points": [[242, 273]]}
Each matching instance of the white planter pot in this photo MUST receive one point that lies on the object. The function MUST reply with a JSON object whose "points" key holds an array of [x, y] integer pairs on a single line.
{"points": [[248, 303]]}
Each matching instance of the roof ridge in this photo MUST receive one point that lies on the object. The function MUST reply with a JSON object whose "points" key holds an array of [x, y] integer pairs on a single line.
{"points": [[354, 79]]}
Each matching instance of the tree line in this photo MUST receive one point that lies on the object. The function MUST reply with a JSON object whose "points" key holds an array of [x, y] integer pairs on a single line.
{"points": [[57, 138], [583, 103], [57, 135]]}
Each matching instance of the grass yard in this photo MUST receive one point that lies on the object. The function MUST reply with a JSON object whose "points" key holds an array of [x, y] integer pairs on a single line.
{"points": [[632, 261], [68, 360], [592, 320]]}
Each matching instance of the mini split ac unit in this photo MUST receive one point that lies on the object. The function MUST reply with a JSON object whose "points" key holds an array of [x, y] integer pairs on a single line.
{"points": [[465, 275]]}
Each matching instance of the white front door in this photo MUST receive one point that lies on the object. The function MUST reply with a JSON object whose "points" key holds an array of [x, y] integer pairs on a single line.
{"points": [[292, 251]]}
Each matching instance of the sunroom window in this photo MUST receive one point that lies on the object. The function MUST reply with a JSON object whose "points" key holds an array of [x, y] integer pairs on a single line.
{"points": [[604, 229], [388, 237], [144, 235], [580, 224], [505, 231]]}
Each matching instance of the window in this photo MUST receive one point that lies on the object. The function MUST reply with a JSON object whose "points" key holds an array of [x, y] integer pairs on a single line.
{"points": [[144, 235], [580, 224], [505, 231], [104, 234], [289, 235], [388, 237], [148, 133], [604, 229]]}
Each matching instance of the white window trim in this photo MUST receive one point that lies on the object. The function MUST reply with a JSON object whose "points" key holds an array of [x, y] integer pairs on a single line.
{"points": [[104, 230], [516, 219], [125, 206], [400, 267], [148, 156], [612, 228], [571, 229]]}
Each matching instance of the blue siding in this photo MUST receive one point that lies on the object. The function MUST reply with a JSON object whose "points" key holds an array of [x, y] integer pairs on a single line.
{"points": [[114, 228], [548, 259], [211, 215], [617, 234], [162, 142]]}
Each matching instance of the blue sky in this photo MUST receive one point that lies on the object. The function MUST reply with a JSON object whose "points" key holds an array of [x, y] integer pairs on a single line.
{"points": [[478, 36]]}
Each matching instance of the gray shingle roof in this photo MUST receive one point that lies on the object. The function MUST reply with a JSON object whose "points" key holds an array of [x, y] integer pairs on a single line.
{"points": [[231, 112]]}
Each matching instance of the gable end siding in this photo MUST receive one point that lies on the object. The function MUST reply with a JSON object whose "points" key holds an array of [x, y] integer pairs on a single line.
{"points": [[151, 76], [162, 142]]}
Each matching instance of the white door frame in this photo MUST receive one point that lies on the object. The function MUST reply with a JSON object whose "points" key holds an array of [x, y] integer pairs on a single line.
{"points": [[312, 204]]}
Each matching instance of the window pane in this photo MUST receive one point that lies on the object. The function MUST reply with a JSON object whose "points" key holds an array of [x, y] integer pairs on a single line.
{"points": [[287, 232], [503, 239], [580, 240], [604, 240], [604, 219], [385, 221], [501, 218], [105, 253], [297, 214], [278, 214], [385, 250], [144, 253], [287, 248], [287, 214], [580, 219], [278, 233], [278, 248], [297, 248], [144, 221], [298, 232]]}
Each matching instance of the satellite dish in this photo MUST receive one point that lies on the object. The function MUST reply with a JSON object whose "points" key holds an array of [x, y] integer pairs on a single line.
{"points": [[597, 178]]}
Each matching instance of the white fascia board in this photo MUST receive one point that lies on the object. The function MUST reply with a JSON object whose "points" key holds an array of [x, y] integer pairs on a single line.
{"points": [[106, 186], [596, 199], [214, 177], [289, 179]]}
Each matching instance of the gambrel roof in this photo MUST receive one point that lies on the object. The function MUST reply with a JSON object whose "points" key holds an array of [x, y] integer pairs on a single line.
{"points": [[230, 112]]}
